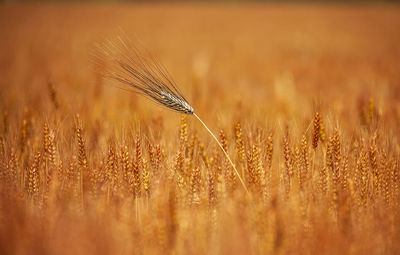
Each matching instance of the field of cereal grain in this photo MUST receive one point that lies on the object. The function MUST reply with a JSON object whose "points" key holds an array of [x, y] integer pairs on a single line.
{"points": [[304, 97]]}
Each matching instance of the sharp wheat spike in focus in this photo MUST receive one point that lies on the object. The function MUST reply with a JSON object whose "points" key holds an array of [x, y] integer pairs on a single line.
{"points": [[122, 62]]}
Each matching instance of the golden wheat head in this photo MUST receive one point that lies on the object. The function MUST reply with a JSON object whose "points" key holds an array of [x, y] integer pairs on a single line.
{"points": [[121, 62]]}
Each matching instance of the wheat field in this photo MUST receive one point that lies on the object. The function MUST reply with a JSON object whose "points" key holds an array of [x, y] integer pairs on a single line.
{"points": [[305, 99]]}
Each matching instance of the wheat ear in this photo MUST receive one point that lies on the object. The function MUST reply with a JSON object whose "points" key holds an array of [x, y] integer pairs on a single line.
{"points": [[121, 62]]}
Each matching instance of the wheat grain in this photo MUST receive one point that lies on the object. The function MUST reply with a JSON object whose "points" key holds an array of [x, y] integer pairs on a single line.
{"points": [[316, 133]]}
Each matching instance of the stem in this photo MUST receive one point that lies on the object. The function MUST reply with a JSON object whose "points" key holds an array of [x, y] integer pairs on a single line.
{"points": [[226, 154]]}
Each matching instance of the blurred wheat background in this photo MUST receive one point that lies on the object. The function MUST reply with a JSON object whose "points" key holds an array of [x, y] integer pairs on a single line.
{"points": [[304, 97]]}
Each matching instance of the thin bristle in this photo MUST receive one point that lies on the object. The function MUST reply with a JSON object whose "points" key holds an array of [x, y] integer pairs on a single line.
{"points": [[119, 61]]}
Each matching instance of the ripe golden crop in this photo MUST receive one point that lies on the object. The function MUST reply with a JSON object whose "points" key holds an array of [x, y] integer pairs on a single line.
{"points": [[303, 98]]}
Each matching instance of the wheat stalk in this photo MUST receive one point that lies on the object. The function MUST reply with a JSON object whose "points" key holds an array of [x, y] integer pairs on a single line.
{"points": [[122, 62]]}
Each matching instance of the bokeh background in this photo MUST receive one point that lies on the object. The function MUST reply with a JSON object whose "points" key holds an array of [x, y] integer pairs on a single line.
{"points": [[260, 74]]}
